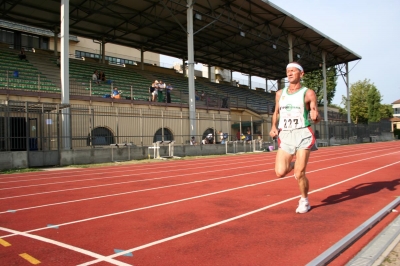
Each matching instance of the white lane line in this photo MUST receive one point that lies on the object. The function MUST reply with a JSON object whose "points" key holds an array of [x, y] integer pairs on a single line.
{"points": [[203, 162], [125, 175], [91, 171], [230, 219], [166, 177], [66, 246], [137, 191], [127, 182], [190, 198]]}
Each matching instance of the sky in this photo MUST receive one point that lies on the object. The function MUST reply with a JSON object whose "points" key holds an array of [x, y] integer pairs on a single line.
{"points": [[368, 28]]}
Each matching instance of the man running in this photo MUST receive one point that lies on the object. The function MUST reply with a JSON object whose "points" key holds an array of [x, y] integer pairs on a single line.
{"points": [[295, 137]]}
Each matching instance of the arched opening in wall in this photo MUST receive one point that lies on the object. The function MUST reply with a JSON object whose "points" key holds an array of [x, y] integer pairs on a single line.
{"points": [[101, 136], [209, 134], [168, 136]]}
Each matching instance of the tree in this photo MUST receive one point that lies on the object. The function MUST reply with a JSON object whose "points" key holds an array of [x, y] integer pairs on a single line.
{"points": [[360, 104], [386, 111], [314, 81], [374, 104]]}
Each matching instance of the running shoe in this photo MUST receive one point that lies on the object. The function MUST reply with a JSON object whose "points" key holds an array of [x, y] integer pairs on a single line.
{"points": [[303, 207]]}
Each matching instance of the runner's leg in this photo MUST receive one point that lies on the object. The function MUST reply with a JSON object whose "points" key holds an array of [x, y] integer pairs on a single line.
{"points": [[300, 171], [282, 163]]}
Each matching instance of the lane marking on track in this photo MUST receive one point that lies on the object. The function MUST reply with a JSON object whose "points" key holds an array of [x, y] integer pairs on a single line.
{"points": [[201, 163], [4, 243], [129, 175], [127, 182], [232, 162], [29, 258], [100, 170], [174, 185], [230, 219], [186, 199], [165, 177], [66, 246]]}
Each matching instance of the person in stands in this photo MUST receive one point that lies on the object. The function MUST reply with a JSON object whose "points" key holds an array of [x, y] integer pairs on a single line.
{"points": [[22, 55], [116, 94], [95, 78]]}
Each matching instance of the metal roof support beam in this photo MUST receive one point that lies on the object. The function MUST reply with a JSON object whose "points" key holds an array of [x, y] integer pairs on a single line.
{"points": [[348, 92], [249, 81], [212, 22], [290, 42], [55, 41], [142, 58], [66, 125], [172, 14], [325, 94], [190, 42], [183, 66], [103, 50]]}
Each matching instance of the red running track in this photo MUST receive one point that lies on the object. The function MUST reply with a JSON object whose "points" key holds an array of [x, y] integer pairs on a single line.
{"points": [[229, 210]]}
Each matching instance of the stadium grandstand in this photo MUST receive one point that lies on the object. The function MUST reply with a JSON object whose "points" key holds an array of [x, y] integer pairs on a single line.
{"points": [[54, 113]]}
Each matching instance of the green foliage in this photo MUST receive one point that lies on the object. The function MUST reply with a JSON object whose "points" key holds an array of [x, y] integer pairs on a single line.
{"points": [[374, 104], [365, 102], [313, 80], [18, 170], [359, 101], [386, 111]]}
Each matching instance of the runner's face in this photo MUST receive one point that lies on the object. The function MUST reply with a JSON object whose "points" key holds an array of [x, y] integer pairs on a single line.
{"points": [[294, 74]]}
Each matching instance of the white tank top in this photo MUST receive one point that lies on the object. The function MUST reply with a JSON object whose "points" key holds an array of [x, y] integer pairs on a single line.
{"points": [[292, 110]]}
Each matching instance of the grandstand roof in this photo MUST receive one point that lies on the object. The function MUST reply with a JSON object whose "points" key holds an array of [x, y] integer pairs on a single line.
{"points": [[248, 36]]}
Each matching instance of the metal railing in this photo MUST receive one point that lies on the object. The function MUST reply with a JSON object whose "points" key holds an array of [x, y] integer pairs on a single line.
{"points": [[39, 126]]}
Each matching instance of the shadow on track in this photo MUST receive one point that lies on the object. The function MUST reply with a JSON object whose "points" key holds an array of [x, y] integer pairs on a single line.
{"points": [[359, 191]]}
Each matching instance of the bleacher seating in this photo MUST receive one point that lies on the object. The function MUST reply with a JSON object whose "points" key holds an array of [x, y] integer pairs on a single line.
{"points": [[41, 73], [245, 98], [21, 74]]}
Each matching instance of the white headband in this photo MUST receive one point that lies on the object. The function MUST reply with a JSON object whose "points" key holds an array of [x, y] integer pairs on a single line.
{"points": [[296, 66]]}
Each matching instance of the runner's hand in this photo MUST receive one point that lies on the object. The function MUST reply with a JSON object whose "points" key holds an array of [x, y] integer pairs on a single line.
{"points": [[274, 132], [314, 115]]}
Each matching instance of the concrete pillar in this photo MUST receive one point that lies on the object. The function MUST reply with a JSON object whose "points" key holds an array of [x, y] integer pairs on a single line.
{"points": [[190, 42], [348, 93], [56, 41], [103, 50], [290, 50], [66, 126], [142, 58]]}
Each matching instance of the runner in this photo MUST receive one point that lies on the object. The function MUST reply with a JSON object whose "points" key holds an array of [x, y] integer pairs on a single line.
{"points": [[295, 137]]}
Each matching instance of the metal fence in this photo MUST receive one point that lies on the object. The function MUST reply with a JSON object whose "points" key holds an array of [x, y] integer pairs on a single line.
{"points": [[39, 126]]}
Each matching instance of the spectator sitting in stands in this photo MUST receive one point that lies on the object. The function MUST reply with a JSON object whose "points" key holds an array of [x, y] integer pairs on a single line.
{"points": [[209, 139], [58, 62], [248, 135], [193, 141], [202, 96], [196, 95], [221, 137], [22, 55], [102, 76], [116, 94], [95, 78]]}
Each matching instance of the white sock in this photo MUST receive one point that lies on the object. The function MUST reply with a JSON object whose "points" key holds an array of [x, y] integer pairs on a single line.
{"points": [[304, 199]]}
